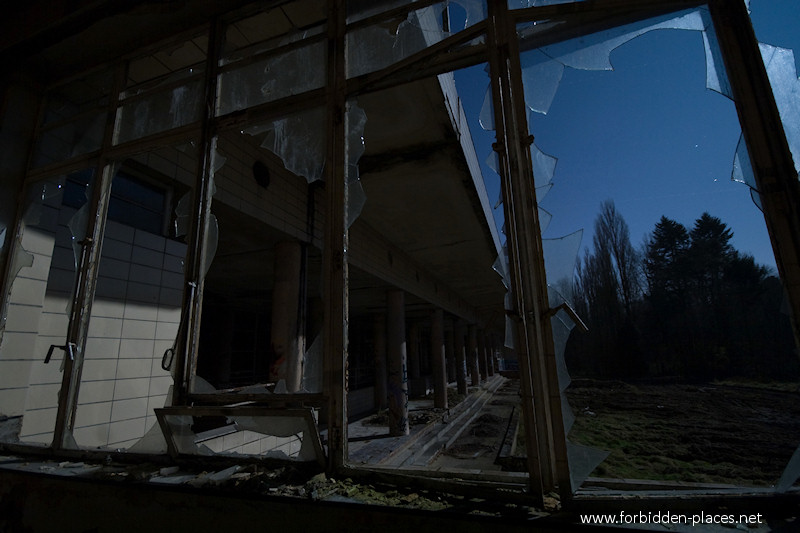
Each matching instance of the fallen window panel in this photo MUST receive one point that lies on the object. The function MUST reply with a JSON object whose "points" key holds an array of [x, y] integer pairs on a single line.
{"points": [[288, 434]]}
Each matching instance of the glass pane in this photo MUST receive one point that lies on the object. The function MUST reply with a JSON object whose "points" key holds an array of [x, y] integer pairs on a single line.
{"points": [[167, 65], [286, 434], [79, 136], [267, 30], [456, 14], [272, 78], [160, 111], [37, 306], [519, 4], [136, 310], [373, 47], [671, 250], [70, 100], [261, 46], [163, 90], [74, 118]]}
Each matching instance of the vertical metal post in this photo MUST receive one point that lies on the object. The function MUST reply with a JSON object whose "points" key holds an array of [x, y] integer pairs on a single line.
{"points": [[544, 429], [189, 339], [773, 166], [334, 259], [86, 280]]}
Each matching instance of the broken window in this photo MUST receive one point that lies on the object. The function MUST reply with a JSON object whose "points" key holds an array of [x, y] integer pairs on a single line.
{"points": [[261, 294], [137, 311], [261, 54], [609, 363], [373, 45], [41, 287]]}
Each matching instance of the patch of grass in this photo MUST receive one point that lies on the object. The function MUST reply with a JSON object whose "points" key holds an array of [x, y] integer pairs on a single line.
{"points": [[780, 386], [716, 433]]}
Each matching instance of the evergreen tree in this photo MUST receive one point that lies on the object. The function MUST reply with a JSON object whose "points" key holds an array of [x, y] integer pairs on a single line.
{"points": [[666, 259]]}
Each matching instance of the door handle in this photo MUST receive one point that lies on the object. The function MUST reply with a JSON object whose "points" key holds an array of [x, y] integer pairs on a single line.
{"points": [[69, 348]]}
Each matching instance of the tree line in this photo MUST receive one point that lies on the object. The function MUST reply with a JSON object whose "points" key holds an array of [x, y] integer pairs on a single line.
{"points": [[685, 305]]}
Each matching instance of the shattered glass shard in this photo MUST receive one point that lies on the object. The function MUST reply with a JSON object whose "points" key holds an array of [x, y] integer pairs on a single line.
{"points": [[782, 74], [560, 256], [742, 171], [374, 47], [299, 140], [582, 460], [541, 77], [593, 52]]}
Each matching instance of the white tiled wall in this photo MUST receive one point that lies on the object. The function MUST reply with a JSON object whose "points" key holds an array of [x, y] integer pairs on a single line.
{"points": [[252, 443], [135, 318]]}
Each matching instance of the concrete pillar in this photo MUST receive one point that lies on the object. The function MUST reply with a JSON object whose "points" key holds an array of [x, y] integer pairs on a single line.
{"points": [[461, 362], [379, 345], [438, 359], [413, 351], [482, 365], [287, 338], [450, 356], [472, 355], [490, 349], [396, 363]]}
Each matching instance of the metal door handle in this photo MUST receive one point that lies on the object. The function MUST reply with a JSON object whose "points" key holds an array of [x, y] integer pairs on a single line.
{"points": [[69, 348]]}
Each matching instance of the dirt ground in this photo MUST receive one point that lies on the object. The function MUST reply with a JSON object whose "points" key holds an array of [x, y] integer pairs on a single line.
{"points": [[480, 444], [716, 433]]}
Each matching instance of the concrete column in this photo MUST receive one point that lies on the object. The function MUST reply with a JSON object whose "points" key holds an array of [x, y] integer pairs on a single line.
{"points": [[438, 360], [288, 340], [482, 365], [461, 362], [396, 363], [472, 355], [379, 345], [450, 356], [490, 348], [413, 351]]}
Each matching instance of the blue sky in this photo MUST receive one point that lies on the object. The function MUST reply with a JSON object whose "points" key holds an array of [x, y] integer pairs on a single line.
{"points": [[648, 135]]}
